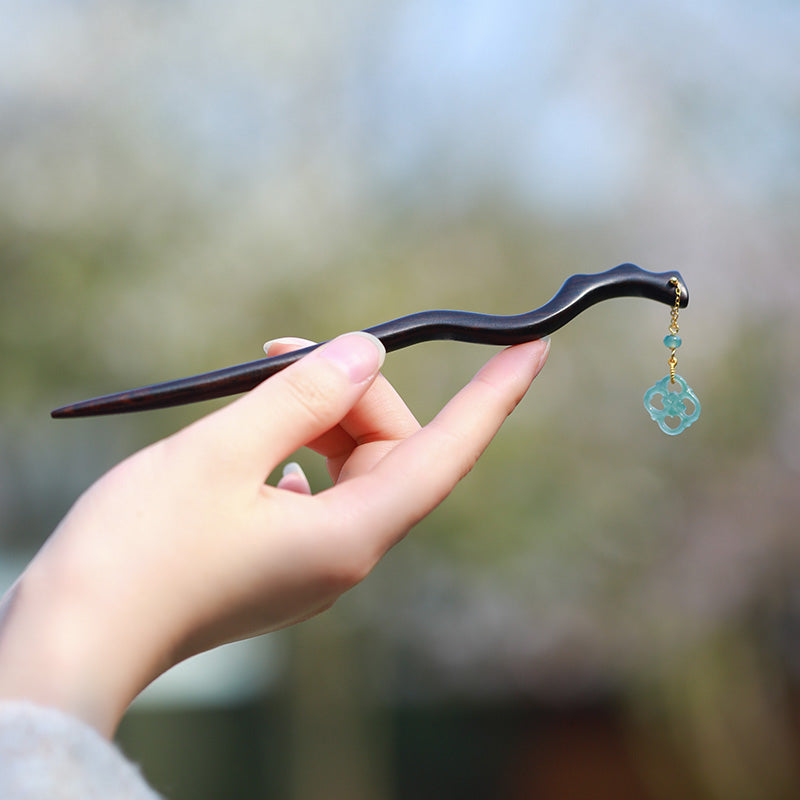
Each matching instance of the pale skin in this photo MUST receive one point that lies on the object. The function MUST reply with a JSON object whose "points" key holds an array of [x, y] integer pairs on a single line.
{"points": [[183, 546]]}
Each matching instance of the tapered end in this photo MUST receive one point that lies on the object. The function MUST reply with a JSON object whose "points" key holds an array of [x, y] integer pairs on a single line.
{"points": [[95, 407], [207, 386]]}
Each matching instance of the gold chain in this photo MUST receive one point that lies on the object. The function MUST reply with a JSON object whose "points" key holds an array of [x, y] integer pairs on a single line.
{"points": [[673, 327]]}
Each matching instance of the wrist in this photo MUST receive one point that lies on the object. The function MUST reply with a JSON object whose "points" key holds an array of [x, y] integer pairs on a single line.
{"points": [[60, 648]]}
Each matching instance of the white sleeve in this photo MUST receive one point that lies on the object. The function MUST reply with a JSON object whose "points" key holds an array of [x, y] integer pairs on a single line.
{"points": [[47, 755]]}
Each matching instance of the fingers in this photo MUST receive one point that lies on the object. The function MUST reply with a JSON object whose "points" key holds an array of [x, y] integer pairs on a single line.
{"points": [[421, 471], [291, 408], [377, 422]]}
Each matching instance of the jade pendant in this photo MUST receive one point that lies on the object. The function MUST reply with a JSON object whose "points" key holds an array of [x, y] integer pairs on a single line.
{"points": [[672, 404]]}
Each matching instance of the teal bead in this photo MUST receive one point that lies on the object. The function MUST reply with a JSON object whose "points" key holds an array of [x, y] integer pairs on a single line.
{"points": [[672, 341]]}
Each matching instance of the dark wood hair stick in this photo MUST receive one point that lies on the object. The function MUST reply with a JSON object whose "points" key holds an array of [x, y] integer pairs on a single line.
{"points": [[578, 293]]}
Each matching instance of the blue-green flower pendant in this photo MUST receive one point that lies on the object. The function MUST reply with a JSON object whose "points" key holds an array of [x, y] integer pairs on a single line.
{"points": [[672, 404]]}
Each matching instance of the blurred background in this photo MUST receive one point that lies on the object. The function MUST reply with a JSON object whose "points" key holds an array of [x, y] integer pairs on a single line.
{"points": [[599, 610]]}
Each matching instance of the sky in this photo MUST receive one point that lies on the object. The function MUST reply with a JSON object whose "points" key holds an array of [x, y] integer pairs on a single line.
{"points": [[567, 103]]}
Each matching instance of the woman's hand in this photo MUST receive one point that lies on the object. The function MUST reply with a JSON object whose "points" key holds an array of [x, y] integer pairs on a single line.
{"points": [[183, 546]]}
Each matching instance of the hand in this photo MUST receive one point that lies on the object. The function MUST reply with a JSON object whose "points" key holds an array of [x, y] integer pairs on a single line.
{"points": [[183, 547]]}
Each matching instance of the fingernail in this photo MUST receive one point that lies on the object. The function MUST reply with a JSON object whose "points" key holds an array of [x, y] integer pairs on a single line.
{"points": [[287, 340], [545, 352], [293, 468], [294, 479], [359, 355]]}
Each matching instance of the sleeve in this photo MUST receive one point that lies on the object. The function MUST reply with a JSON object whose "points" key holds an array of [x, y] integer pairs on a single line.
{"points": [[47, 755]]}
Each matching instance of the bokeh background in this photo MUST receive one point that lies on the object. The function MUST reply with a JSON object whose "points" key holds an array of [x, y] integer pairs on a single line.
{"points": [[599, 611]]}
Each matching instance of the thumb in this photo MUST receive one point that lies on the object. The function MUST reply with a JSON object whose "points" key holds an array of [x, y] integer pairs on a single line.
{"points": [[295, 406]]}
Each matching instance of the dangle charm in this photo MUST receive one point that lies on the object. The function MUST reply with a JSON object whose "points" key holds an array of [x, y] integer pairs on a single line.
{"points": [[671, 402]]}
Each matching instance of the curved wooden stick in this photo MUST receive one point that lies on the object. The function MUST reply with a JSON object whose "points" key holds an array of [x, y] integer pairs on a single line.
{"points": [[578, 293]]}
